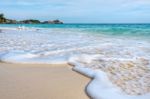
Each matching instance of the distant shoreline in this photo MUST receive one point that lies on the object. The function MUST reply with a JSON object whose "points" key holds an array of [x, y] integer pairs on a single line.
{"points": [[4, 20], [85, 23]]}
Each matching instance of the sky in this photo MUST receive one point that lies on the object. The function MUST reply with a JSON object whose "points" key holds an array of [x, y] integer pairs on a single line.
{"points": [[79, 11]]}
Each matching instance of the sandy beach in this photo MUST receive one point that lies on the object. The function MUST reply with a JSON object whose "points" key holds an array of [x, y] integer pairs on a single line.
{"points": [[118, 69], [26, 81]]}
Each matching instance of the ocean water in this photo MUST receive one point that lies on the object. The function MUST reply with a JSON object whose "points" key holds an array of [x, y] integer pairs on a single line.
{"points": [[92, 48], [49, 43]]}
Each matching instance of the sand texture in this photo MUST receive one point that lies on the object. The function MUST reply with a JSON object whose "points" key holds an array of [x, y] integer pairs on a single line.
{"points": [[18, 81]]}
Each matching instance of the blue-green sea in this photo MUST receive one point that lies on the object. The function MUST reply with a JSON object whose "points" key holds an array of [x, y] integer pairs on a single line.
{"points": [[59, 42], [106, 29]]}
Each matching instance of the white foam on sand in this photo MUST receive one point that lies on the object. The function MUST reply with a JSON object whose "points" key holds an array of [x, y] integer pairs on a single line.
{"points": [[29, 58], [100, 87]]}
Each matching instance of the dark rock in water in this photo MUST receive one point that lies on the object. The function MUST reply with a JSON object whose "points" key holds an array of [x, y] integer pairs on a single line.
{"points": [[52, 22], [0, 31]]}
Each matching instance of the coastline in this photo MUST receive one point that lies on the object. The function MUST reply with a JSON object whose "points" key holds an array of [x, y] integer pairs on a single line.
{"points": [[35, 81], [116, 68]]}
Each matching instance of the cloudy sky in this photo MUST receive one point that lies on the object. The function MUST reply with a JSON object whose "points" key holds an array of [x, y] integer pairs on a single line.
{"points": [[79, 11]]}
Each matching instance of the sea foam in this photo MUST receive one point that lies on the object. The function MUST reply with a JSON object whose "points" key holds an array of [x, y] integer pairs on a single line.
{"points": [[100, 86]]}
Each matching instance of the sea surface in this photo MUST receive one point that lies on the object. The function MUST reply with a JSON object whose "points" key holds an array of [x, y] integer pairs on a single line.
{"points": [[92, 46]]}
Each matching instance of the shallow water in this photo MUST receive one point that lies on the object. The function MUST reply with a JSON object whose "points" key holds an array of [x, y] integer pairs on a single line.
{"points": [[98, 47], [60, 42]]}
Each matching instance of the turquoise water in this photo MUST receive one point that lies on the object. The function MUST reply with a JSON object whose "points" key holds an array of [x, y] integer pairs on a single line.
{"points": [[142, 30], [58, 42]]}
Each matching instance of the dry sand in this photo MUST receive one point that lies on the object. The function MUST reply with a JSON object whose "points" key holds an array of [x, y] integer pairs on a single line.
{"points": [[18, 81]]}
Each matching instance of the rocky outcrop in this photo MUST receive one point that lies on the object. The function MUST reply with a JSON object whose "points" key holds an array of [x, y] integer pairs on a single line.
{"points": [[30, 21], [52, 22]]}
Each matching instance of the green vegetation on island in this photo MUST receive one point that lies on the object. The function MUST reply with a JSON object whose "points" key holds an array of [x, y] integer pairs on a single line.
{"points": [[4, 20]]}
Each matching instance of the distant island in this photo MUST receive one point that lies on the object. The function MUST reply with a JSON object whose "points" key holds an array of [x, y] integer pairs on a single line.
{"points": [[4, 20]]}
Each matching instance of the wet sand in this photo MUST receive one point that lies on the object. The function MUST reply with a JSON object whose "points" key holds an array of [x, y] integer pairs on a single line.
{"points": [[31, 81]]}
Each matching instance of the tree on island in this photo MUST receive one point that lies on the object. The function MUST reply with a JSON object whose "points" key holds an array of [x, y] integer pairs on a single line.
{"points": [[2, 18], [30, 21]]}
